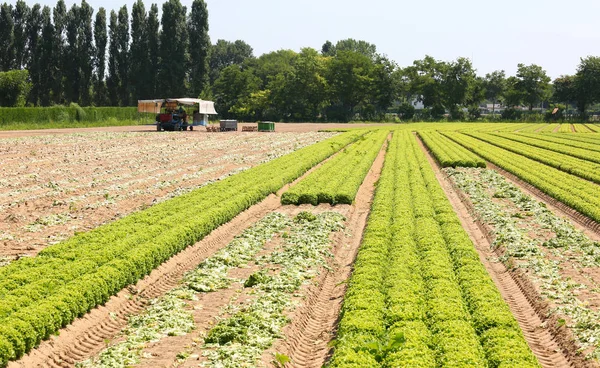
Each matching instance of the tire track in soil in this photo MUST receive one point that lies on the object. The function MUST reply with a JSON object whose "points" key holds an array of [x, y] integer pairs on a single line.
{"points": [[552, 346], [306, 340], [581, 222], [86, 336]]}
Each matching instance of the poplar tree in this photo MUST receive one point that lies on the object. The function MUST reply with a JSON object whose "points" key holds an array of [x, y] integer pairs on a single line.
{"points": [[6, 37], [86, 52], [139, 51], [112, 83], [153, 34], [47, 74], [20, 17], [173, 50], [58, 64], [101, 38], [71, 64], [199, 47], [122, 38], [34, 28]]}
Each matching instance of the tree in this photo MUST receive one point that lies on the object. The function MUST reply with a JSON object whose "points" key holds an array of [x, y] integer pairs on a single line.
{"points": [[495, 86], [587, 83], [34, 28], [233, 86], [47, 54], [425, 78], [225, 53], [20, 16], [362, 47], [71, 66], [7, 38], [59, 58], [14, 88], [512, 95], [199, 47], [101, 39], [153, 62], [349, 78], [86, 52], [533, 83], [328, 49], [122, 39], [139, 51], [384, 90], [457, 86], [173, 50], [113, 82], [300, 92]]}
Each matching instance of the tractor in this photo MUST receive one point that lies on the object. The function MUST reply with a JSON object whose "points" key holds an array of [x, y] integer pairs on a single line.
{"points": [[173, 114]]}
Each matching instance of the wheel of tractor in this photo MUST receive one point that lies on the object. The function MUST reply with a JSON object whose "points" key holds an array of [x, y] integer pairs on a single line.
{"points": [[158, 127], [191, 128]]}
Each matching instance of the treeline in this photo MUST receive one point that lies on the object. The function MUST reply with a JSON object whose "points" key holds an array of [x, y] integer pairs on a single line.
{"points": [[61, 56], [74, 56]]}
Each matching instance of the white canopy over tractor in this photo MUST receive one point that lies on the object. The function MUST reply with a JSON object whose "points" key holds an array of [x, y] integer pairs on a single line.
{"points": [[154, 106]]}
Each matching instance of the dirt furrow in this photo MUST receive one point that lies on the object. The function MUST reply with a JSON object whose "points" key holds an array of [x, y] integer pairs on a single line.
{"points": [[546, 343], [313, 324]]}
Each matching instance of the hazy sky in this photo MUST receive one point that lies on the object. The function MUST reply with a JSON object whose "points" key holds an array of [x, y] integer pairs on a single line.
{"points": [[495, 34]]}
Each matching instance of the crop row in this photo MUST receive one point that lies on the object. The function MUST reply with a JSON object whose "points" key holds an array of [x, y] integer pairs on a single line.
{"points": [[40, 295], [572, 165], [419, 295], [543, 142], [338, 180], [577, 193], [448, 153], [566, 140]]}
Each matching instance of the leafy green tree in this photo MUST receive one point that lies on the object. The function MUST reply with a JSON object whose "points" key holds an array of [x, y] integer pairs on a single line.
{"points": [[138, 55], [71, 66], [47, 54], [512, 95], [20, 17], [233, 86], [199, 47], [34, 28], [14, 88], [225, 53], [101, 39], [113, 81], [173, 50], [122, 38], [495, 87], [587, 83], [425, 78], [153, 62], [59, 54], [533, 83], [563, 89], [361, 47], [384, 90], [328, 49], [349, 77], [7, 38], [268, 66], [300, 93], [458, 82], [86, 52]]}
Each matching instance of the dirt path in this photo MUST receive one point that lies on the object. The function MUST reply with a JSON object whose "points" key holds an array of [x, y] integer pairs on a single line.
{"points": [[542, 342], [313, 325], [279, 127]]}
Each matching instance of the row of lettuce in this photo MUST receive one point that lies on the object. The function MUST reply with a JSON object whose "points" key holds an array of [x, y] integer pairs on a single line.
{"points": [[419, 295], [338, 180], [448, 153], [40, 295], [582, 168], [580, 194]]}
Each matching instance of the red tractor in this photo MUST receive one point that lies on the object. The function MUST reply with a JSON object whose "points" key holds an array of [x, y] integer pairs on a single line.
{"points": [[177, 114]]}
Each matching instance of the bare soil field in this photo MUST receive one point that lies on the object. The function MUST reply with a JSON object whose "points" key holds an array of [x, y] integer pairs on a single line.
{"points": [[54, 185]]}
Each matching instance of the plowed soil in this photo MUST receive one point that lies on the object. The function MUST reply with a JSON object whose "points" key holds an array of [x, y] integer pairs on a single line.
{"points": [[52, 186]]}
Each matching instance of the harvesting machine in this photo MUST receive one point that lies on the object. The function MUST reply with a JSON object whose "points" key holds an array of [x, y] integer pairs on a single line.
{"points": [[174, 114]]}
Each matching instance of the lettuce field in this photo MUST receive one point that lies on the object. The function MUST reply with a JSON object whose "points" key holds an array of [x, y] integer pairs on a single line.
{"points": [[408, 245]]}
